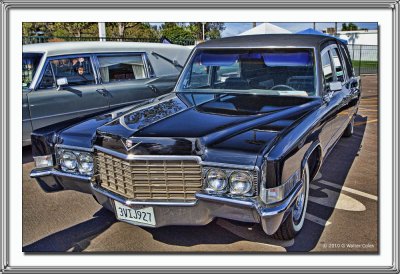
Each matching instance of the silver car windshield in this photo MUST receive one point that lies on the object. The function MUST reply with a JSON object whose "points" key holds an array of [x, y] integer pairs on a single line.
{"points": [[278, 71]]}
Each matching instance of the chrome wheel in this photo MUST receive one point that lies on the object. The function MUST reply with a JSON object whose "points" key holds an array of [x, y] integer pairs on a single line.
{"points": [[299, 206]]}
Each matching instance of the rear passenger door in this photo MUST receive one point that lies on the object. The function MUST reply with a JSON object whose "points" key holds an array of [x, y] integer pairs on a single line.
{"points": [[49, 104], [128, 78]]}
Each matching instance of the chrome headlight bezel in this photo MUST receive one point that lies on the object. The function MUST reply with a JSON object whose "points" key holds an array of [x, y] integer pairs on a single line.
{"points": [[251, 174], [78, 168], [224, 177], [238, 177]]}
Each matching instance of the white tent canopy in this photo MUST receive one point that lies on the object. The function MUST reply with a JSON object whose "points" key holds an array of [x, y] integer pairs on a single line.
{"points": [[265, 28]]}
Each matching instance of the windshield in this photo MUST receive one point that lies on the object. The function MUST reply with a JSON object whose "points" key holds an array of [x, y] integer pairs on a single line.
{"points": [[30, 63], [262, 71]]}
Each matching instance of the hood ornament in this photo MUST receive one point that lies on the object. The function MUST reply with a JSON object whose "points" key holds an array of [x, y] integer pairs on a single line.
{"points": [[129, 144]]}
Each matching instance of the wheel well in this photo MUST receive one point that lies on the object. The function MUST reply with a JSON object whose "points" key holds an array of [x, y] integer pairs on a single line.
{"points": [[314, 162]]}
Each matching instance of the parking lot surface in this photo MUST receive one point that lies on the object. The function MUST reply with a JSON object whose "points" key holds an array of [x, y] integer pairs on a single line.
{"points": [[342, 214]]}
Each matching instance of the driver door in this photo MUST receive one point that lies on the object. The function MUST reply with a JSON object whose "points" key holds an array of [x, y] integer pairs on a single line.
{"points": [[51, 104]]}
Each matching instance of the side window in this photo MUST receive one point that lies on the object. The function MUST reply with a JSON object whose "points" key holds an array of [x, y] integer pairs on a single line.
{"points": [[199, 76], [47, 78], [337, 62], [121, 68], [327, 68], [347, 61], [77, 70], [224, 72]]}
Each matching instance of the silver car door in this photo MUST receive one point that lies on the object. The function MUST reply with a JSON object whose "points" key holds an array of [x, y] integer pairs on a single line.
{"points": [[126, 79], [81, 95]]}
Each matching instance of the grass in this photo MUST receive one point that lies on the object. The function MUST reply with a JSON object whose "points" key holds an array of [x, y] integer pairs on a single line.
{"points": [[365, 64]]}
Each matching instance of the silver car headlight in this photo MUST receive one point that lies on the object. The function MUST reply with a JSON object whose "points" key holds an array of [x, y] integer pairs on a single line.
{"points": [[68, 161], [85, 163], [240, 183], [216, 180]]}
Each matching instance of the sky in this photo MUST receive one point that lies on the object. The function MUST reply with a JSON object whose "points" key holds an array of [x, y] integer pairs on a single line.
{"points": [[236, 28]]}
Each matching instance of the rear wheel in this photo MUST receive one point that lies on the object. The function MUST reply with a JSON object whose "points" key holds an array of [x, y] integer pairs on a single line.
{"points": [[348, 132], [295, 220]]}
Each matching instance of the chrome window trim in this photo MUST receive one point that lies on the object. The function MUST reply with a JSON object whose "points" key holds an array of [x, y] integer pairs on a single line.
{"points": [[123, 53], [48, 59], [189, 60]]}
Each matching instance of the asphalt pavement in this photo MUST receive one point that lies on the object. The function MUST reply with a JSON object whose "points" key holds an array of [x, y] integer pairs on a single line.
{"points": [[342, 214]]}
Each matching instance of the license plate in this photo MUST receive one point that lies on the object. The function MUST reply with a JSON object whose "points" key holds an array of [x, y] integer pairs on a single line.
{"points": [[142, 215]]}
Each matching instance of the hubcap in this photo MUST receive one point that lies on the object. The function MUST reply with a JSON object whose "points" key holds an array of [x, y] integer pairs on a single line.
{"points": [[299, 205]]}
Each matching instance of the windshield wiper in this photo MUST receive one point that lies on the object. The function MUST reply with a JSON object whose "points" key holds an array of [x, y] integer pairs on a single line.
{"points": [[173, 62]]}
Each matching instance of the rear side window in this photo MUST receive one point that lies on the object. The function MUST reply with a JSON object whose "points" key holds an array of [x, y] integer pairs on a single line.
{"points": [[121, 68], [337, 62], [347, 61], [30, 63], [327, 68], [77, 70]]}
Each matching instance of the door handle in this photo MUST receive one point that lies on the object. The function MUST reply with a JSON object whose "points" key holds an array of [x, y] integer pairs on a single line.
{"points": [[153, 88], [102, 91]]}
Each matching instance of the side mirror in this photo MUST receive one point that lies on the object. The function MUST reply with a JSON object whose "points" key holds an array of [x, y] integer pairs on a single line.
{"points": [[335, 86], [61, 82]]}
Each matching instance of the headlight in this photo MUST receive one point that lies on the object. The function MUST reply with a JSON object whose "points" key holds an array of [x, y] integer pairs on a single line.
{"points": [[240, 183], [68, 161], [217, 180], [85, 163]]}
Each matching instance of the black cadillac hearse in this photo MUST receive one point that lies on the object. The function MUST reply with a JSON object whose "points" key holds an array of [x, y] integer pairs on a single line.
{"points": [[248, 125]]}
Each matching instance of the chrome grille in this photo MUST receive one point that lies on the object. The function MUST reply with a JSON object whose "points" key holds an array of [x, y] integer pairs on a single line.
{"points": [[170, 180]]}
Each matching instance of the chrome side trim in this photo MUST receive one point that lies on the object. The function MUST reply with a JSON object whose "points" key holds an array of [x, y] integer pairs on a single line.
{"points": [[84, 112], [60, 146], [35, 173], [128, 202]]}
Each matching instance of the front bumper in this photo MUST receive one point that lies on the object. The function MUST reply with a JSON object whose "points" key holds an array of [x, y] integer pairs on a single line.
{"points": [[200, 212]]}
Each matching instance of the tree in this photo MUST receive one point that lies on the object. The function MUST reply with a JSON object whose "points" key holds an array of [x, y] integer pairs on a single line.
{"points": [[32, 29], [211, 30], [75, 29], [177, 33], [349, 27]]}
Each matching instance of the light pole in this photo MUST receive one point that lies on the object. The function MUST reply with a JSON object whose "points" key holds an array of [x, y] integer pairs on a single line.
{"points": [[204, 37], [102, 31]]}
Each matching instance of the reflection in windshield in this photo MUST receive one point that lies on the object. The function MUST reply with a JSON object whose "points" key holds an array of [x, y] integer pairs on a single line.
{"points": [[30, 62], [263, 71]]}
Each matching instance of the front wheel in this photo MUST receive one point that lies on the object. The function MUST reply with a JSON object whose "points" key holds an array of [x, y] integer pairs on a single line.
{"points": [[295, 220]]}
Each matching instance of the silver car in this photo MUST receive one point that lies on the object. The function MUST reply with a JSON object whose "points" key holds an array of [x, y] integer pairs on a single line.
{"points": [[62, 81]]}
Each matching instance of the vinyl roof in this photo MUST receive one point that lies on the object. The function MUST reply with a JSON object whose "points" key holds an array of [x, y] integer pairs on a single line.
{"points": [[268, 40], [62, 48]]}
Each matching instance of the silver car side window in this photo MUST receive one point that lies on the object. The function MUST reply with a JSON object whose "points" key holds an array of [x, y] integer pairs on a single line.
{"points": [[121, 68]]}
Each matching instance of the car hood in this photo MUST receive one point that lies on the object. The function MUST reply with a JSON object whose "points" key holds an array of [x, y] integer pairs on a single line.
{"points": [[227, 127]]}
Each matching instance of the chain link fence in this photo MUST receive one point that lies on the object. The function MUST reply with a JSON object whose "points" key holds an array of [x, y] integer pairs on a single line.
{"points": [[364, 57]]}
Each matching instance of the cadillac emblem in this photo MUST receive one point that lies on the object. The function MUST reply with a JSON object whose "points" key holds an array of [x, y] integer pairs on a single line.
{"points": [[129, 144]]}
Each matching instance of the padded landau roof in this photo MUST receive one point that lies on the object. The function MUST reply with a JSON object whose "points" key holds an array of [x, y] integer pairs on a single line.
{"points": [[268, 40]]}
